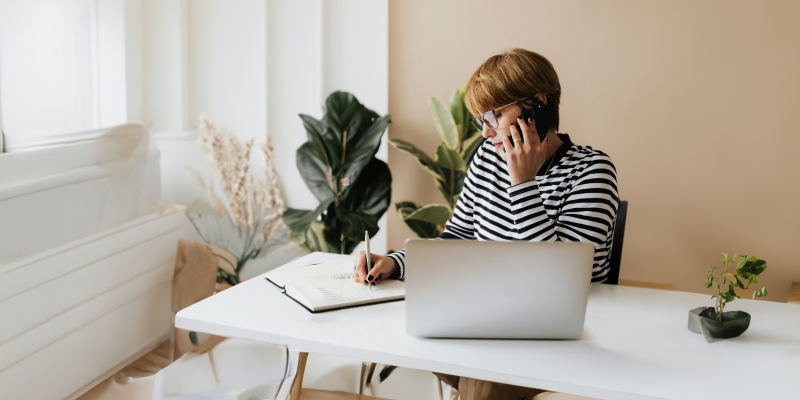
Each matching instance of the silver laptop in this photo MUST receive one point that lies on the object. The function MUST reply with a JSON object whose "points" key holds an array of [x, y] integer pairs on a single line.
{"points": [[496, 290]]}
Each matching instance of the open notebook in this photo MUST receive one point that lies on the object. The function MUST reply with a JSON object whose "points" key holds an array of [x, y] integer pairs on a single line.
{"points": [[330, 286]]}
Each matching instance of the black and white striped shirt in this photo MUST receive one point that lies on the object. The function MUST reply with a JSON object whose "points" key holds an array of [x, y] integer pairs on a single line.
{"points": [[575, 201]]}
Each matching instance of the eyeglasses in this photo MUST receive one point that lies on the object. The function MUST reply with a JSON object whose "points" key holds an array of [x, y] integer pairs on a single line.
{"points": [[488, 118]]}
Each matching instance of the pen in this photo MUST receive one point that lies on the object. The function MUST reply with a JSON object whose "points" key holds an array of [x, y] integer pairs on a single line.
{"points": [[369, 259]]}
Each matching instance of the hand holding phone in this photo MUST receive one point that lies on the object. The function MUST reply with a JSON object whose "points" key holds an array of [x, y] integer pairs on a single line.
{"points": [[542, 115]]}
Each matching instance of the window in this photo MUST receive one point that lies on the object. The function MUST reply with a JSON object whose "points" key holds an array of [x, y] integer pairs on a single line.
{"points": [[63, 67]]}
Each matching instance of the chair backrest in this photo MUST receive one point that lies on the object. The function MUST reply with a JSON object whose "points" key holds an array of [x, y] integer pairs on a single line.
{"points": [[616, 246]]}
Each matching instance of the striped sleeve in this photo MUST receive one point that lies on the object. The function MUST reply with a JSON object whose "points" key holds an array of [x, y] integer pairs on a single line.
{"points": [[587, 212]]}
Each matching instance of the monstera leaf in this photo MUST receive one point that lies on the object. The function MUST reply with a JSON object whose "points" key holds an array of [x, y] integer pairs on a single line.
{"points": [[341, 147]]}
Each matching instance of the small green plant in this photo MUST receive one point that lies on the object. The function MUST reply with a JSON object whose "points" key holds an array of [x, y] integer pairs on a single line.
{"points": [[746, 268]]}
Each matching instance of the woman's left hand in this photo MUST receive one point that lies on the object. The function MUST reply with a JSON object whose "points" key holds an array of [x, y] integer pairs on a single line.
{"points": [[527, 156]]}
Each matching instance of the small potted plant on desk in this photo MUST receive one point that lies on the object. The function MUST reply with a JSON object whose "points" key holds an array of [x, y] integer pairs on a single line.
{"points": [[714, 322]]}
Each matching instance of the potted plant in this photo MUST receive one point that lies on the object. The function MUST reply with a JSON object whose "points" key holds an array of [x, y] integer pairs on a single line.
{"points": [[338, 165], [448, 169], [243, 220], [714, 322]]}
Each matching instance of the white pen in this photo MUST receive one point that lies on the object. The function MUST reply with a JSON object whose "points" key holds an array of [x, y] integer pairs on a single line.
{"points": [[369, 259]]}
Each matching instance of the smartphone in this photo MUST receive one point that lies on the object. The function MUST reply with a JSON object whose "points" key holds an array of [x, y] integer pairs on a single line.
{"points": [[542, 115]]}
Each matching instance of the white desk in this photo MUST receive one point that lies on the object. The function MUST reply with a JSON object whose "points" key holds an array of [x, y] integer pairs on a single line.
{"points": [[635, 344]]}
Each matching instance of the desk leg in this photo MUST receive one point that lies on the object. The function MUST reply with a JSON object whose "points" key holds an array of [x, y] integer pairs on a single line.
{"points": [[371, 372], [361, 380], [297, 385]]}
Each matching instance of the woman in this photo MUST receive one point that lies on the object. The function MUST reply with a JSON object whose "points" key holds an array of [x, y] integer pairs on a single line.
{"points": [[538, 191]]}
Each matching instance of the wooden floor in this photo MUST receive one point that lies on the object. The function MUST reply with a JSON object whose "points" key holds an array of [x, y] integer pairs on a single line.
{"points": [[313, 394], [134, 382]]}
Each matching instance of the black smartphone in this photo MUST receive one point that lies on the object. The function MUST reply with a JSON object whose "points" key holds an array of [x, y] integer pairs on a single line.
{"points": [[542, 115]]}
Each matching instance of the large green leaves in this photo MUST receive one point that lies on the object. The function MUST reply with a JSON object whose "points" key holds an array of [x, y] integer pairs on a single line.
{"points": [[449, 158], [312, 239], [434, 213], [346, 116], [423, 229], [343, 112], [314, 172], [371, 192], [341, 145], [445, 124], [354, 224], [299, 220], [314, 131], [363, 147], [424, 161], [469, 152], [461, 114]]}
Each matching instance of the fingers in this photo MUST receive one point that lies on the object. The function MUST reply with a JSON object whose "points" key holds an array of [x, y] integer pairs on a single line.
{"points": [[515, 134], [378, 273], [361, 268], [530, 135], [525, 134], [507, 144]]}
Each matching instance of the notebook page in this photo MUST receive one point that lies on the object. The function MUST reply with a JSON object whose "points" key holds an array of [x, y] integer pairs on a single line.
{"points": [[329, 270], [325, 292]]}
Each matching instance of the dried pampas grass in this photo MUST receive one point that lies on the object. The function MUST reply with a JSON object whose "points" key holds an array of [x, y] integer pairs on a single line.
{"points": [[253, 204]]}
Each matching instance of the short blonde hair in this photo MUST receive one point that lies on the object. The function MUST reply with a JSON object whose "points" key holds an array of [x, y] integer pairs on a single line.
{"points": [[512, 76]]}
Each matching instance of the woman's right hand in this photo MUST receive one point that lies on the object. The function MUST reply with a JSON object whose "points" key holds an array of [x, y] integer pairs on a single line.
{"points": [[383, 267]]}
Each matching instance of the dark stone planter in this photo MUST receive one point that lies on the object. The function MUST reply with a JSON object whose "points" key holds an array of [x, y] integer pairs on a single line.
{"points": [[703, 320]]}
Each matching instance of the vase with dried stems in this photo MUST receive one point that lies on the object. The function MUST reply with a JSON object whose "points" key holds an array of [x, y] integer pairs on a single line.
{"points": [[248, 211]]}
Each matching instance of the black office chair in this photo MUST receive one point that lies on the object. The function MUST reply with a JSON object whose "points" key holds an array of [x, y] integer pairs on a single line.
{"points": [[616, 246]]}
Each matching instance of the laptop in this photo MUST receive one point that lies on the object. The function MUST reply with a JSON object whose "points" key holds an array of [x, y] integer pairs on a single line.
{"points": [[497, 290]]}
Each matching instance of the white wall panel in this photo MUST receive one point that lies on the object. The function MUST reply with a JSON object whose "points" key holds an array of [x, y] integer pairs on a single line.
{"points": [[134, 61], [294, 83], [68, 365], [227, 64], [166, 79], [49, 299], [75, 312], [54, 209], [74, 318]]}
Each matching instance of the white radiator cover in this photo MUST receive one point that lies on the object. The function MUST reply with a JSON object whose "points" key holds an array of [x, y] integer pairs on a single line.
{"points": [[74, 313]]}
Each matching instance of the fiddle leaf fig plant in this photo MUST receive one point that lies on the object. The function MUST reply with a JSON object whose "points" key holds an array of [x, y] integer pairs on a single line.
{"points": [[338, 165], [744, 268], [449, 168]]}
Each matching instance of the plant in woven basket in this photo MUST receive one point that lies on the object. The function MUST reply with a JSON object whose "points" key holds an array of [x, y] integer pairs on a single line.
{"points": [[338, 165], [244, 217], [448, 169]]}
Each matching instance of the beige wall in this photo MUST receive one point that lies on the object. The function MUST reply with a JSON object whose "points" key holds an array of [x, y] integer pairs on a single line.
{"points": [[697, 103]]}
